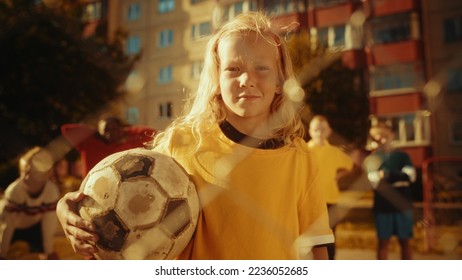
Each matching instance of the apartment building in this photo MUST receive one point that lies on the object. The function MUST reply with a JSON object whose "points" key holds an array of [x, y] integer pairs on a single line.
{"points": [[170, 36], [408, 49], [442, 21]]}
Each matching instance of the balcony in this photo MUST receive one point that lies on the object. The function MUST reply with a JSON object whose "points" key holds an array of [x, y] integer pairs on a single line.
{"points": [[354, 59], [388, 7], [392, 53], [334, 15], [289, 18], [397, 103]]}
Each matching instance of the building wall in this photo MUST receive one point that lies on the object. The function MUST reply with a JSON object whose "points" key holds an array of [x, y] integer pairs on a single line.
{"points": [[423, 53], [442, 58], [151, 94]]}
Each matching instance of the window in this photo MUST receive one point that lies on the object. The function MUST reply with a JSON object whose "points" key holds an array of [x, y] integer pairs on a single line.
{"points": [[201, 30], [322, 35], [134, 10], [331, 37], [165, 75], [165, 38], [410, 129], [133, 44], [325, 3], [455, 80], [165, 110], [133, 115], [281, 7], [236, 8], [166, 6], [338, 39], [452, 29], [196, 69], [390, 29], [93, 11], [396, 76], [456, 132]]}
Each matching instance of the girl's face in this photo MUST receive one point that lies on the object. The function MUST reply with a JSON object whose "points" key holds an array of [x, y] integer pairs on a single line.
{"points": [[111, 131], [382, 136], [248, 77]]}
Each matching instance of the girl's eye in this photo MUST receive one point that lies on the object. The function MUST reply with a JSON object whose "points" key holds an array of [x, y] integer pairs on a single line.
{"points": [[232, 69], [262, 68]]}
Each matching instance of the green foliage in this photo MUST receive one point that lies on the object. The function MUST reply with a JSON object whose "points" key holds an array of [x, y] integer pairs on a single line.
{"points": [[332, 89], [50, 74]]}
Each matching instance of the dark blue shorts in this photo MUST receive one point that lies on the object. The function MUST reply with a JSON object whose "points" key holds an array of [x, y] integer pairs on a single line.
{"points": [[32, 235], [389, 224]]}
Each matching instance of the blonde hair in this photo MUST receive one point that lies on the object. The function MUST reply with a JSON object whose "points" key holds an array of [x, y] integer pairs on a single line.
{"points": [[207, 107]]}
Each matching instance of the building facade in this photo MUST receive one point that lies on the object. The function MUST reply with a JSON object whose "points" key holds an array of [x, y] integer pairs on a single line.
{"points": [[170, 36], [409, 50]]}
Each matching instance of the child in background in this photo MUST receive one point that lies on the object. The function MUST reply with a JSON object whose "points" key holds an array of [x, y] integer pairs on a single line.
{"points": [[391, 173], [333, 163], [29, 206], [242, 143], [111, 136]]}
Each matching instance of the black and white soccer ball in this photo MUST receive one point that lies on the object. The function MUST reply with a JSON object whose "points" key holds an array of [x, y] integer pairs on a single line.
{"points": [[143, 205]]}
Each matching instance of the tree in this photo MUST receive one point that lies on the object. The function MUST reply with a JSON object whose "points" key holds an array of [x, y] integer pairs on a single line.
{"points": [[50, 74], [332, 89]]}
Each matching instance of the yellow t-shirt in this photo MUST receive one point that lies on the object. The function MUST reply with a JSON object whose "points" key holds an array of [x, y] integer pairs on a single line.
{"points": [[330, 159], [256, 204]]}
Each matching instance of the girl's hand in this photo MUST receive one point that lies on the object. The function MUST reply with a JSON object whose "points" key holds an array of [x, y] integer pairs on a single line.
{"points": [[79, 232]]}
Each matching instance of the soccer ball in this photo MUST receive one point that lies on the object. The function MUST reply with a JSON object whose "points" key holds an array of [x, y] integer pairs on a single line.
{"points": [[143, 205]]}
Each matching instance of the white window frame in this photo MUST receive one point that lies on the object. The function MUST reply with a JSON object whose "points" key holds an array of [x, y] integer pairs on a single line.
{"points": [[454, 80], [196, 69], [408, 77], [456, 34], [387, 26], [230, 11], [416, 124], [166, 110], [133, 115], [283, 7], [133, 11], [332, 32], [93, 11], [165, 6], [133, 44], [201, 30], [166, 38], [165, 75]]}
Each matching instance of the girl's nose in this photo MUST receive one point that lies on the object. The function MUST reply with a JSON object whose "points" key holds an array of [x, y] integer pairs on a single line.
{"points": [[246, 80]]}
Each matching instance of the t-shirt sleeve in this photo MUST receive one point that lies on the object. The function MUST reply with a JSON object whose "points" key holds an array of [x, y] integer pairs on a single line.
{"points": [[344, 160], [77, 134], [139, 136], [313, 218]]}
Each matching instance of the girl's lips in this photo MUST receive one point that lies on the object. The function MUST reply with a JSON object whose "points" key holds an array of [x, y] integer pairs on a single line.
{"points": [[248, 97]]}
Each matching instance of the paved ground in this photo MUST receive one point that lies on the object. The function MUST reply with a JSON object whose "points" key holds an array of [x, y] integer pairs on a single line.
{"points": [[367, 254], [355, 237]]}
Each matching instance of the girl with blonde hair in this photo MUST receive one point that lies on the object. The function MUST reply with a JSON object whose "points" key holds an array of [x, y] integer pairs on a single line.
{"points": [[242, 143]]}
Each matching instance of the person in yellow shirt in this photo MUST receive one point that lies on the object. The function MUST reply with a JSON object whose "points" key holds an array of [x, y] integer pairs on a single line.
{"points": [[242, 143], [333, 163]]}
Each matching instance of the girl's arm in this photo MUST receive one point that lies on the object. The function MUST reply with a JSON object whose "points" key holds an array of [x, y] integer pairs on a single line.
{"points": [[320, 253]]}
